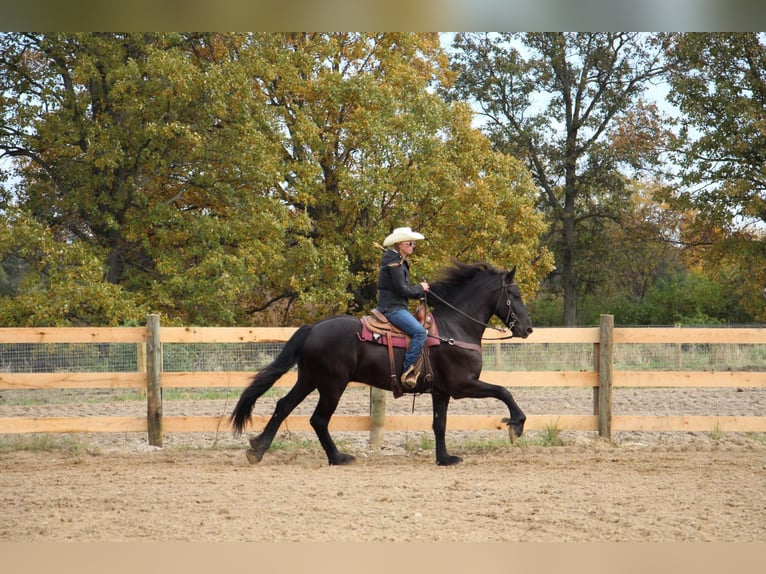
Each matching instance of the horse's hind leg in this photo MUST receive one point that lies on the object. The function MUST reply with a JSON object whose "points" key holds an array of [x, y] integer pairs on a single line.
{"points": [[261, 443], [440, 403], [320, 421]]}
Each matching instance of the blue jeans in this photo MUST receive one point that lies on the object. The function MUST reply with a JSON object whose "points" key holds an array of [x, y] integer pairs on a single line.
{"points": [[403, 319]]}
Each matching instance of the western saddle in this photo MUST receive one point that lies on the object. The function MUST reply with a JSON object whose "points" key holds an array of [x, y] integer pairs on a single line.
{"points": [[378, 329]]}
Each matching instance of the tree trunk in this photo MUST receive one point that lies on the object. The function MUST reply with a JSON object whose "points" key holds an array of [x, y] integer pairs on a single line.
{"points": [[116, 261], [568, 275]]}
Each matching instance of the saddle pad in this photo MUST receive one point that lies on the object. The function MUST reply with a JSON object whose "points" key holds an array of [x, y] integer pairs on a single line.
{"points": [[368, 334]]}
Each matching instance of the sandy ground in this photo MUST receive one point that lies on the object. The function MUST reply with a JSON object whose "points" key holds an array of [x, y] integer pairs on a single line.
{"points": [[661, 487]]}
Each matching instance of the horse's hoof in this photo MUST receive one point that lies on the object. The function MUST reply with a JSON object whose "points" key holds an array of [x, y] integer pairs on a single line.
{"points": [[342, 458], [253, 457], [449, 461], [258, 447], [515, 430]]}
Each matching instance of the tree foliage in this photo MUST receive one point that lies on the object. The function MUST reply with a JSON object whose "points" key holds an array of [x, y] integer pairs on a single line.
{"points": [[719, 86], [368, 146], [239, 178], [44, 281], [570, 106], [142, 152]]}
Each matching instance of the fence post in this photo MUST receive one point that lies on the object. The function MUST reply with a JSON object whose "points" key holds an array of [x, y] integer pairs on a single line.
{"points": [[596, 368], [141, 364], [154, 380], [605, 368], [377, 416]]}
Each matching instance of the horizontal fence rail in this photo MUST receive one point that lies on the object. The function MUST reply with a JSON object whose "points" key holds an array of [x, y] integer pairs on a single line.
{"points": [[600, 370]]}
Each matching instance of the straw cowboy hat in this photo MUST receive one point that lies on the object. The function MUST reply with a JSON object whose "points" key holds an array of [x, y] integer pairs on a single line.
{"points": [[402, 234]]}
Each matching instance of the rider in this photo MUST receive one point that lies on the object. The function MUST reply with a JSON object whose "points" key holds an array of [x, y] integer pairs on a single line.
{"points": [[394, 289]]}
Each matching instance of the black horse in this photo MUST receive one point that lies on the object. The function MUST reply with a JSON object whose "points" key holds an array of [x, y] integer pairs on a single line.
{"points": [[329, 354]]}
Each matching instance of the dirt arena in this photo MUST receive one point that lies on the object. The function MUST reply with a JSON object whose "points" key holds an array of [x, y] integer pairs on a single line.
{"points": [[661, 487]]}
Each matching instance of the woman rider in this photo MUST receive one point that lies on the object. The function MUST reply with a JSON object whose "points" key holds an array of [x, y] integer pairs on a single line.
{"points": [[394, 291]]}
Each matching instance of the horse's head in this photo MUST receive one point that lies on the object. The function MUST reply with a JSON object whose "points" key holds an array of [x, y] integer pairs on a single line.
{"points": [[510, 307], [470, 291]]}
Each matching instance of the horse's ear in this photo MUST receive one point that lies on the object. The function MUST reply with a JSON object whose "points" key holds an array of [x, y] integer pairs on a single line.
{"points": [[510, 274]]}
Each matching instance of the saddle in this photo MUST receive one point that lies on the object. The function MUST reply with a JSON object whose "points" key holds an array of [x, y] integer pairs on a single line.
{"points": [[376, 328]]}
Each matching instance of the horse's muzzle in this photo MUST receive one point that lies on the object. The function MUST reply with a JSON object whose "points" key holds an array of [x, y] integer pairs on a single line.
{"points": [[521, 332], [526, 333]]}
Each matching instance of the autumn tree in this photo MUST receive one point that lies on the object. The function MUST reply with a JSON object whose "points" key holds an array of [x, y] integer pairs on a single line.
{"points": [[145, 153], [368, 145], [719, 86], [45, 281], [236, 178], [569, 105]]}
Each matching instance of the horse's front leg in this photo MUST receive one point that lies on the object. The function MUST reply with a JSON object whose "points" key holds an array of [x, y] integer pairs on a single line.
{"points": [[479, 390], [517, 417], [440, 403]]}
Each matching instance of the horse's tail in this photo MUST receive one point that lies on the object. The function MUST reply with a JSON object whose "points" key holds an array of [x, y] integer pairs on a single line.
{"points": [[266, 377]]}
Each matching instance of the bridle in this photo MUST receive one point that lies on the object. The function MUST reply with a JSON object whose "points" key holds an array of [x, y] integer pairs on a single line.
{"points": [[510, 319]]}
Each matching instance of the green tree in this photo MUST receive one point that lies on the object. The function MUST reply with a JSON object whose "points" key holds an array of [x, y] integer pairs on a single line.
{"points": [[369, 146], [145, 151], [719, 86], [55, 283], [570, 105], [236, 178]]}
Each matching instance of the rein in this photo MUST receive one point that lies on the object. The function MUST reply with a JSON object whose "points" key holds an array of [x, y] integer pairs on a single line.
{"points": [[510, 319]]}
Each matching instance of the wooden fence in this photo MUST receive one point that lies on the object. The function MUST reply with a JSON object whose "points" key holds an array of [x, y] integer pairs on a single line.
{"points": [[602, 378]]}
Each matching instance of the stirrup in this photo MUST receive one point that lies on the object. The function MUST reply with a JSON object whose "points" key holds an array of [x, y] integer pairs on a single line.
{"points": [[409, 378]]}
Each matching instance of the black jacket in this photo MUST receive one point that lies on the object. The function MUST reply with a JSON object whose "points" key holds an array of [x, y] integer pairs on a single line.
{"points": [[394, 288]]}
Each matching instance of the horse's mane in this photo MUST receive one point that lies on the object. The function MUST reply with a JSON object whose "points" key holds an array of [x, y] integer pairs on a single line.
{"points": [[451, 280]]}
